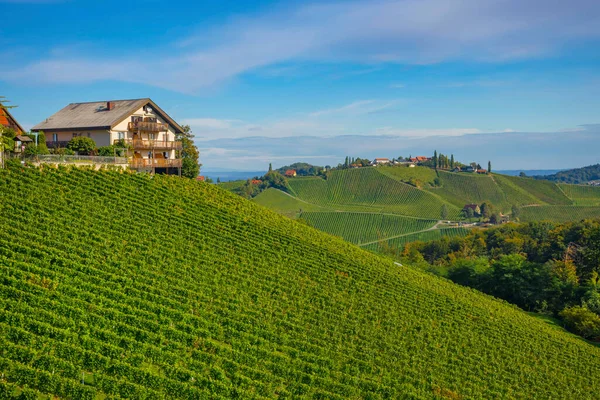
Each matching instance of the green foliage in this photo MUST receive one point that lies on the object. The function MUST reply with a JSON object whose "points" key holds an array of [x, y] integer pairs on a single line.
{"points": [[190, 156], [166, 288], [577, 175], [112, 151], [82, 145], [582, 321], [302, 169], [444, 212]]}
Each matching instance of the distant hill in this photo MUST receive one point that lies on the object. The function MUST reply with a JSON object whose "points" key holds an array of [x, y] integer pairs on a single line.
{"points": [[349, 203], [577, 175], [227, 176], [528, 172], [117, 285]]}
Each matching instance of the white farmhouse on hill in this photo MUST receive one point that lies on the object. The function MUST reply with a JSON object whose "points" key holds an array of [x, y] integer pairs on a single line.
{"points": [[381, 161], [138, 123]]}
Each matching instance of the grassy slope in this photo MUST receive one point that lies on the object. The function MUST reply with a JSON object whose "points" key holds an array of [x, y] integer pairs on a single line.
{"points": [[367, 189], [423, 175], [365, 227], [163, 287], [283, 203], [398, 243], [547, 192], [559, 213], [581, 194], [231, 185]]}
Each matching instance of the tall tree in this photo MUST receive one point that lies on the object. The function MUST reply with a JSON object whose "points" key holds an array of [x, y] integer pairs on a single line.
{"points": [[451, 160], [190, 165], [270, 167], [435, 159], [444, 212], [489, 167]]}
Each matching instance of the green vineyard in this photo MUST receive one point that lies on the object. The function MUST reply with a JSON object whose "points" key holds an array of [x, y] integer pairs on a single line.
{"points": [[460, 189], [116, 285], [582, 195], [366, 189], [397, 244], [559, 213], [365, 227], [284, 203]]}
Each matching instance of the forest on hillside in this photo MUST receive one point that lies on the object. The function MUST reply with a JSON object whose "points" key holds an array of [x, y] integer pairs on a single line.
{"points": [[544, 267], [577, 175]]}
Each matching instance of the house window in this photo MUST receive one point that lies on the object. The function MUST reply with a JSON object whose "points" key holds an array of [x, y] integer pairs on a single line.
{"points": [[55, 137], [75, 134], [121, 135], [89, 134], [152, 136]]}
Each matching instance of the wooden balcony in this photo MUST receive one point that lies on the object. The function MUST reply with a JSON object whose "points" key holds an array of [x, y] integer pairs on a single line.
{"points": [[145, 126], [155, 163], [147, 144]]}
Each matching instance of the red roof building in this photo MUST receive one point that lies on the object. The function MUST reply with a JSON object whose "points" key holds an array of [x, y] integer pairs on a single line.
{"points": [[290, 172]]}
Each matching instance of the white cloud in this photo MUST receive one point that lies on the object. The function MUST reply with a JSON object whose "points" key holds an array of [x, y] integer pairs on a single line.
{"points": [[397, 86], [368, 32]]}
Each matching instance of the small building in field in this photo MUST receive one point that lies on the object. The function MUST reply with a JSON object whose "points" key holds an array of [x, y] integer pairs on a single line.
{"points": [[290, 173], [482, 171], [380, 161], [200, 178], [256, 181], [456, 169], [139, 124], [474, 207], [468, 169]]}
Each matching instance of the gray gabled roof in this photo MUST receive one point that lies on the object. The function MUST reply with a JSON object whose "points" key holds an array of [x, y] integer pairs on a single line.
{"points": [[96, 115]]}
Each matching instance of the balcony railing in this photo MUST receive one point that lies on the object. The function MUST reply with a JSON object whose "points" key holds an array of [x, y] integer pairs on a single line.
{"points": [[148, 144], [57, 144], [144, 126], [156, 163]]}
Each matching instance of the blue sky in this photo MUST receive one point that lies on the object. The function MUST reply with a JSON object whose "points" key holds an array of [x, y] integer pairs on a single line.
{"points": [[285, 81]]}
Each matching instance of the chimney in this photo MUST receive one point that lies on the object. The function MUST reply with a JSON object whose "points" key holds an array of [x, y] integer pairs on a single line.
{"points": [[110, 105]]}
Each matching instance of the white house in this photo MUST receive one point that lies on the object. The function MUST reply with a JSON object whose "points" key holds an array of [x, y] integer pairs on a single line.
{"points": [[138, 123], [381, 161]]}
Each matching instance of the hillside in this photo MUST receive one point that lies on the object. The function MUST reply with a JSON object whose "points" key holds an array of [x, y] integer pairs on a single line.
{"points": [[576, 175], [131, 286], [353, 202]]}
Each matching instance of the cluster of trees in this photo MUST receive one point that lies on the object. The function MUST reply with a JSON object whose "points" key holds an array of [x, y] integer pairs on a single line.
{"points": [[352, 161], [578, 175], [302, 169], [253, 187], [442, 161], [539, 266], [488, 213]]}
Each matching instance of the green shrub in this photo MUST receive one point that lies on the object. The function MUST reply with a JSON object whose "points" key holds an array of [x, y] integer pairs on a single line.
{"points": [[82, 145], [582, 321]]}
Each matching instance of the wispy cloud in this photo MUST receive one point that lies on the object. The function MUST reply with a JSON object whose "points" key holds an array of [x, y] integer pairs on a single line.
{"points": [[506, 150], [397, 86], [405, 31]]}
